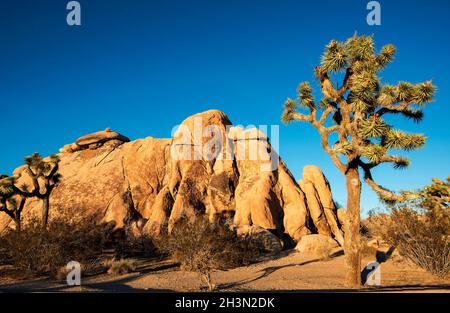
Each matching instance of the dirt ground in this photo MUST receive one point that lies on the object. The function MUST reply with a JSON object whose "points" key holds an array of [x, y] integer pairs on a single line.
{"points": [[290, 271]]}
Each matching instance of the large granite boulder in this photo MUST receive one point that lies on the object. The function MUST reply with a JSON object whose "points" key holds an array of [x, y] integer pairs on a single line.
{"points": [[316, 244], [208, 167]]}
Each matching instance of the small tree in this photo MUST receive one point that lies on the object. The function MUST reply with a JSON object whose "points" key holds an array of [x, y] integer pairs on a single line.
{"points": [[8, 200], [44, 177], [357, 109]]}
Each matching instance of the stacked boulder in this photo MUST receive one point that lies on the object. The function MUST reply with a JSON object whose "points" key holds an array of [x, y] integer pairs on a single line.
{"points": [[94, 141]]}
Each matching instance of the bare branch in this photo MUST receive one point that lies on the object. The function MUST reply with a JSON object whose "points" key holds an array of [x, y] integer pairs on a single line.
{"points": [[302, 117], [384, 193], [324, 134], [34, 179], [325, 115]]}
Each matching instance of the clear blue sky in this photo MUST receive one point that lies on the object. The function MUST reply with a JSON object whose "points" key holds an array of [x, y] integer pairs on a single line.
{"points": [[140, 67]]}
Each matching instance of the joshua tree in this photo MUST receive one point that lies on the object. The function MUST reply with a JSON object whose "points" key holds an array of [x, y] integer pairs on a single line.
{"points": [[44, 177], [8, 199], [357, 109], [43, 174], [435, 198]]}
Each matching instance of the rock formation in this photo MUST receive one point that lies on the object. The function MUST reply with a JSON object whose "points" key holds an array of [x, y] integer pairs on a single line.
{"points": [[209, 167], [317, 244]]}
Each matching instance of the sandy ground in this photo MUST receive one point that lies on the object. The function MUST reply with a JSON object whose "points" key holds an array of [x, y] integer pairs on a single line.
{"points": [[291, 271]]}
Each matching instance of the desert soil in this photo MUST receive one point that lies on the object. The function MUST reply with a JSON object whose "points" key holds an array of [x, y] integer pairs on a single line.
{"points": [[290, 271]]}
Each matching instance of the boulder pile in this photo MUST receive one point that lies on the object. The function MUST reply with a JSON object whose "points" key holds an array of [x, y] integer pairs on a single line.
{"points": [[147, 185]]}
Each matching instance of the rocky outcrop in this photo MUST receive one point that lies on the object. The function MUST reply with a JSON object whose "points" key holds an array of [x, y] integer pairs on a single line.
{"points": [[208, 167], [320, 202], [316, 244], [264, 239], [94, 141]]}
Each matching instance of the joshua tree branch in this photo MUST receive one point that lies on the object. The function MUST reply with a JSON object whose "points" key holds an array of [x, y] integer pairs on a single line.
{"points": [[384, 193], [34, 179], [344, 88], [324, 135], [392, 108], [4, 208], [53, 171], [302, 117], [331, 129], [21, 204], [22, 192], [325, 115]]}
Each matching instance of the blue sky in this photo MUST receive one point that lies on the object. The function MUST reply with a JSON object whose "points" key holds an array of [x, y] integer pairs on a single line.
{"points": [[141, 67]]}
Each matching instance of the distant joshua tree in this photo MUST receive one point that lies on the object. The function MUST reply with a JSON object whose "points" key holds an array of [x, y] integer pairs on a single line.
{"points": [[44, 177], [8, 200], [357, 109]]}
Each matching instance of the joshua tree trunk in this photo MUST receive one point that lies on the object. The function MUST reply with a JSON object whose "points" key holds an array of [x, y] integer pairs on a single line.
{"points": [[18, 224], [352, 225], [45, 206]]}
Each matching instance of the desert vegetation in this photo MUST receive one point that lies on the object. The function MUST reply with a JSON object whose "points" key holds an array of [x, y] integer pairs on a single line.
{"points": [[44, 177], [419, 228], [355, 114], [304, 213], [35, 251], [202, 246], [38, 251]]}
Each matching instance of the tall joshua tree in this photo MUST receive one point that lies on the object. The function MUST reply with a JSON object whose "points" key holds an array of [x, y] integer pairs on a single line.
{"points": [[44, 178], [357, 109]]}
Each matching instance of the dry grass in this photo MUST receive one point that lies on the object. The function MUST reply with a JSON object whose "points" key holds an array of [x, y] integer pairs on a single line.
{"points": [[45, 252], [122, 267], [39, 251]]}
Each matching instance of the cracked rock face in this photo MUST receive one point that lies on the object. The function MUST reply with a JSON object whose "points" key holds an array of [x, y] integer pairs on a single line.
{"points": [[148, 184]]}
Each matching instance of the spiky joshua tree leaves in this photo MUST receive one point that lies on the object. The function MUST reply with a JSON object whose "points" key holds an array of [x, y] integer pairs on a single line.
{"points": [[357, 109]]}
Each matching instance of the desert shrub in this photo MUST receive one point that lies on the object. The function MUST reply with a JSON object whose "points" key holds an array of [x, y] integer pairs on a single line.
{"points": [[122, 267], [368, 250], [376, 225], [420, 228], [202, 246], [41, 250], [130, 245], [46, 251], [422, 238]]}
